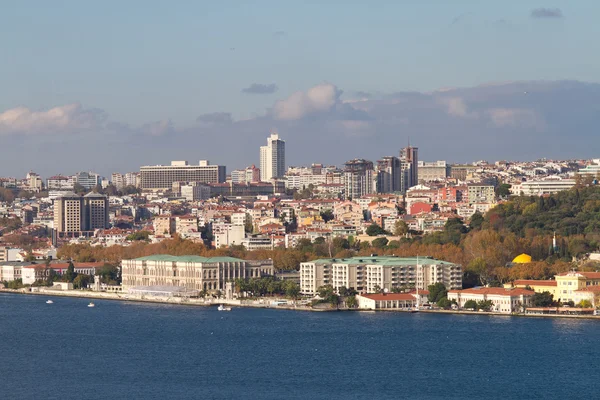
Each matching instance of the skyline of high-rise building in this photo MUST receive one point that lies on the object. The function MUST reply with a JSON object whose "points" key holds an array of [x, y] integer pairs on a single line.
{"points": [[272, 158], [74, 215], [359, 178], [409, 158]]}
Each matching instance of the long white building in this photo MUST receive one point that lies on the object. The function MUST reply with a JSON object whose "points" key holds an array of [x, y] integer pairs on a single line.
{"points": [[161, 177], [542, 186], [192, 272], [368, 274]]}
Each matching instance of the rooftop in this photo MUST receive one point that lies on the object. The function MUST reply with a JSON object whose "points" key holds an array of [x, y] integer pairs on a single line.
{"points": [[382, 260], [188, 259]]}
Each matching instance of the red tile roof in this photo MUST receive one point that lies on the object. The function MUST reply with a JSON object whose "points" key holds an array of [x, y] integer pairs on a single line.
{"points": [[594, 288], [532, 282], [495, 291]]}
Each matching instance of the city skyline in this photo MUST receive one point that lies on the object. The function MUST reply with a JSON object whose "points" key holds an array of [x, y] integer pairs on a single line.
{"points": [[463, 81]]}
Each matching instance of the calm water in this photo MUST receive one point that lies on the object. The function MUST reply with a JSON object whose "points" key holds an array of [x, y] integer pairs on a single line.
{"points": [[121, 350]]}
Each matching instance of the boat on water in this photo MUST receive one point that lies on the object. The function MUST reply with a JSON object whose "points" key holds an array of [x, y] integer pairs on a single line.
{"points": [[223, 308], [91, 305], [49, 302]]}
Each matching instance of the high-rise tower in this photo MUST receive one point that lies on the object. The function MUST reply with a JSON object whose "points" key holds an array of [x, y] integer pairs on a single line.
{"points": [[409, 157], [272, 158]]}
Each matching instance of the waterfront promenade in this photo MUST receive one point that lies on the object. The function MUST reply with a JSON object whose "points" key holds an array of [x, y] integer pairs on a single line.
{"points": [[266, 303]]}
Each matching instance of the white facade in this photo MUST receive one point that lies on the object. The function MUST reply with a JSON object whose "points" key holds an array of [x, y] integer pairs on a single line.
{"points": [[368, 273], [503, 300], [542, 186], [272, 158], [10, 273], [195, 191], [228, 234]]}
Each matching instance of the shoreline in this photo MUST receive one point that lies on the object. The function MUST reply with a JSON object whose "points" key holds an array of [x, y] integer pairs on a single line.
{"points": [[266, 304]]}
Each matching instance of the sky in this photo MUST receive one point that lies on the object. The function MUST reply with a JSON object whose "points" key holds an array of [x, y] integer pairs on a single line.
{"points": [[110, 86]]}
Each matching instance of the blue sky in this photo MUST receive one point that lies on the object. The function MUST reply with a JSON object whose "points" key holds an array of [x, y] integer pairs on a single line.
{"points": [[142, 62]]}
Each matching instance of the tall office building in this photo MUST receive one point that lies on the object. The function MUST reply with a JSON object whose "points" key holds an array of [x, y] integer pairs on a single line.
{"points": [[96, 211], [161, 177], [68, 213], [88, 180], [272, 158], [409, 158], [75, 215], [389, 177], [360, 178]]}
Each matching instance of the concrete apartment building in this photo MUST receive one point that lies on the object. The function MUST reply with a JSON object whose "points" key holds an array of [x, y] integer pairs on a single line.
{"points": [[409, 159], [360, 178], [195, 191], [191, 272], [389, 175], [432, 171], [368, 274], [272, 158], [161, 177], [76, 215], [480, 193], [59, 182]]}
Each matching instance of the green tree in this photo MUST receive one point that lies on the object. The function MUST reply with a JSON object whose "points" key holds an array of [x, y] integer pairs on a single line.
{"points": [[139, 235], [485, 305], [437, 291], [81, 281], [476, 221], [544, 299], [351, 302], [374, 230], [584, 304], [379, 242], [70, 275], [503, 190], [327, 216], [471, 304], [444, 303], [400, 228]]}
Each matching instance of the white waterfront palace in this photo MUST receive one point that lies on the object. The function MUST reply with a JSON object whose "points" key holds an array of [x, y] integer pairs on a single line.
{"points": [[192, 272]]}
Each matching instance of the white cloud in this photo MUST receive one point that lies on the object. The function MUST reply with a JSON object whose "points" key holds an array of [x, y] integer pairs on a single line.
{"points": [[456, 107], [503, 117], [158, 128], [320, 98], [69, 118]]}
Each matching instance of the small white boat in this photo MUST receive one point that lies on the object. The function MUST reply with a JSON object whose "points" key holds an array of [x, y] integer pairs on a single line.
{"points": [[223, 308], [91, 305], [49, 302]]}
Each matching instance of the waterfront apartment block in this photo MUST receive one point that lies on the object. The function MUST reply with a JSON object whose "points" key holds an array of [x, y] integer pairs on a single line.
{"points": [[192, 272], [369, 274], [161, 177]]}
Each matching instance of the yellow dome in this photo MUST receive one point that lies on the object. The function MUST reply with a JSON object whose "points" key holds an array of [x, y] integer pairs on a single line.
{"points": [[522, 259]]}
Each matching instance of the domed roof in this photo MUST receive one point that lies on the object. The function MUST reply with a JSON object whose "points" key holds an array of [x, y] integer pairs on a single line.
{"points": [[522, 259]]}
